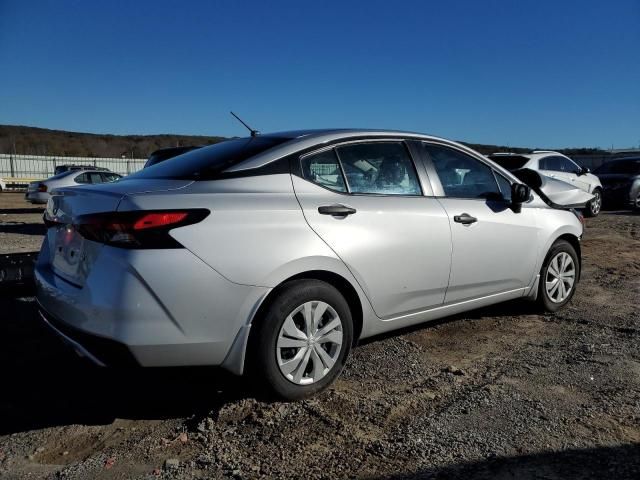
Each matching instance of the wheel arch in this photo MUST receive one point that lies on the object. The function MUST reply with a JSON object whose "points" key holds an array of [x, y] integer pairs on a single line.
{"points": [[336, 280], [574, 241], [240, 355]]}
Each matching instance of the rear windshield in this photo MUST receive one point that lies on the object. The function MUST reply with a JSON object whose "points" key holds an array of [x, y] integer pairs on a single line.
{"points": [[510, 162], [207, 162], [167, 153]]}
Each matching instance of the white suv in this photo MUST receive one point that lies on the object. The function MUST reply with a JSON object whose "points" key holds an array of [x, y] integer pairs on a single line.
{"points": [[556, 165]]}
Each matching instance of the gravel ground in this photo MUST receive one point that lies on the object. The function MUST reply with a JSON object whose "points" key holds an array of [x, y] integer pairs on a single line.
{"points": [[495, 393], [21, 226]]}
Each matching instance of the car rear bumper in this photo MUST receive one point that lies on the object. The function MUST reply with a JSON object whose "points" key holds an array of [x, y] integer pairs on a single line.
{"points": [[149, 308], [100, 351]]}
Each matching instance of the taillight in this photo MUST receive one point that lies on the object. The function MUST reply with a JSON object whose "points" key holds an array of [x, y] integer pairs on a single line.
{"points": [[138, 229], [42, 187], [155, 220]]}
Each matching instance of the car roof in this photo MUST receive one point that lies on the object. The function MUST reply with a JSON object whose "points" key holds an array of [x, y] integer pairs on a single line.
{"points": [[302, 139]]}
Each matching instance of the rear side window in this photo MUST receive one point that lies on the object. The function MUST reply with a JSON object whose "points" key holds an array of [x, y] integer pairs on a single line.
{"points": [[83, 178], [95, 177], [323, 168], [461, 175], [207, 162], [379, 168]]}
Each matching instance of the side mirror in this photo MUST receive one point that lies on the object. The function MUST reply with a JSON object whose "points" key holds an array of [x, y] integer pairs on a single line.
{"points": [[584, 171], [519, 194]]}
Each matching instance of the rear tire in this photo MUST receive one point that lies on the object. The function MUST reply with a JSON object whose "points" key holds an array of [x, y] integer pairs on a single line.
{"points": [[301, 343], [595, 205], [558, 277]]}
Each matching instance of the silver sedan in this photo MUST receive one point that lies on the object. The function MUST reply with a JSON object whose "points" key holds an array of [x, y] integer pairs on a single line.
{"points": [[274, 254], [40, 191]]}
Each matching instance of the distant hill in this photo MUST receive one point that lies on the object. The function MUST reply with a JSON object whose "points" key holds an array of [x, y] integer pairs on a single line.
{"points": [[42, 141]]}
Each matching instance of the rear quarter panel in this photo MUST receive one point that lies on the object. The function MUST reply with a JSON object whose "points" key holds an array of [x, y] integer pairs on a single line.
{"points": [[256, 233]]}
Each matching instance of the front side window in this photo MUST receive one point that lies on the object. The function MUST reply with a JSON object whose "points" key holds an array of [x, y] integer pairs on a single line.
{"points": [[383, 168], [567, 165], [323, 169], [505, 187], [110, 177], [461, 175]]}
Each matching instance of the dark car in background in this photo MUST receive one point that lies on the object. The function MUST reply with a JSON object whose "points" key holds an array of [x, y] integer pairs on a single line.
{"points": [[621, 182], [167, 153]]}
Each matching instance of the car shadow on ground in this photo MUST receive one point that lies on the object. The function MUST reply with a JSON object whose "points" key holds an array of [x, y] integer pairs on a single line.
{"points": [[22, 228], [614, 462], [20, 211], [46, 384]]}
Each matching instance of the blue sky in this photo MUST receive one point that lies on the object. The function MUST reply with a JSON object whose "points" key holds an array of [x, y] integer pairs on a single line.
{"points": [[521, 73]]}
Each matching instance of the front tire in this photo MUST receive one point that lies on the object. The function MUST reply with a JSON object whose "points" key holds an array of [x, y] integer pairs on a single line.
{"points": [[558, 277], [636, 203], [595, 205], [301, 343]]}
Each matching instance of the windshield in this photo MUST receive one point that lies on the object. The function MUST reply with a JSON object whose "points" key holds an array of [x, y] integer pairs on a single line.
{"points": [[510, 162], [207, 162]]}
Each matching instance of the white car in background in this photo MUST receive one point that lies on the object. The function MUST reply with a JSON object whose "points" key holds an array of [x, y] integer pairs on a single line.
{"points": [[558, 166], [3, 185], [40, 192]]}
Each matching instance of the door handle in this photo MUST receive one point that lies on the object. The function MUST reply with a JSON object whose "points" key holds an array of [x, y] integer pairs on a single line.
{"points": [[336, 210], [465, 219]]}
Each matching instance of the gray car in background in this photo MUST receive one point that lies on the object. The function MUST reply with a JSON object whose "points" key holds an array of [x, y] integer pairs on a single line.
{"points": [[275, 254], [40, 191]]}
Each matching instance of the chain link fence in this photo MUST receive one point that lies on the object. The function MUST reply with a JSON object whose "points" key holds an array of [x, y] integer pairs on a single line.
{"points": [[25, 168]]}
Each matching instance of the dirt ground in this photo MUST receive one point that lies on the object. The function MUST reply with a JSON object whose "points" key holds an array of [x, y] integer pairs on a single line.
{"points": [[498, 393]]}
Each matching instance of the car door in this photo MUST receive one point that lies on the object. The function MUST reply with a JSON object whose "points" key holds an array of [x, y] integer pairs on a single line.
{"points": [[366, 200], [495, 248], [564, 169], [573, 173]]}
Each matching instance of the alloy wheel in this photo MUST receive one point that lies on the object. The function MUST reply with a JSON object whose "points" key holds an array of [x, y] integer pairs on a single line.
{"points": [[596, 203], [309, 342], [560, 277]]}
